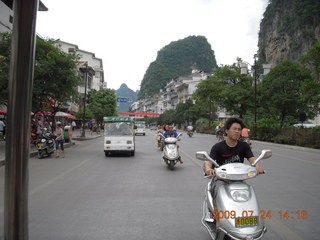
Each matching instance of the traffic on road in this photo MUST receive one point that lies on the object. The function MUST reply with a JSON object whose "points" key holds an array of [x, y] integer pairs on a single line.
{"points": [[87, 195]]}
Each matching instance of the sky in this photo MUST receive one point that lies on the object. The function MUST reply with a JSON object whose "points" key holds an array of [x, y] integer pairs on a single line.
{"points": [[127, 34]]}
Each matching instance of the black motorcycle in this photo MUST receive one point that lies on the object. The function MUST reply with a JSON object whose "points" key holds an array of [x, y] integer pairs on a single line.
{"points": [[45, 144]]}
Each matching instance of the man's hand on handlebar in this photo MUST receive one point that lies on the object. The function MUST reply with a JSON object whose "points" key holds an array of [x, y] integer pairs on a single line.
{"points": [[209, 172]]}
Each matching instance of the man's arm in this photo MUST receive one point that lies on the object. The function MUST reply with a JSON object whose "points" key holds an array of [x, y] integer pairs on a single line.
{"points": [[208, 168], [258, 167]]}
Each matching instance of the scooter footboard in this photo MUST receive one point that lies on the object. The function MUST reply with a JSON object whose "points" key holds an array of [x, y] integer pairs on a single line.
{"points": [[238, 211]]}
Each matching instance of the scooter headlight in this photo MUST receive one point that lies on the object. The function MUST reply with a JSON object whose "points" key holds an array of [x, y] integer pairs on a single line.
{"points": [[240, 195], [43, 140], [222, 175]]}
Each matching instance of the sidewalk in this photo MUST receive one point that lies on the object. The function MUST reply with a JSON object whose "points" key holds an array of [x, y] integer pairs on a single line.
{"points": [[33, 150]]}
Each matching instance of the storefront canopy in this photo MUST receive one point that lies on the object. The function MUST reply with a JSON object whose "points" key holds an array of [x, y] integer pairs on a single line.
{"points": [[3, 112]]}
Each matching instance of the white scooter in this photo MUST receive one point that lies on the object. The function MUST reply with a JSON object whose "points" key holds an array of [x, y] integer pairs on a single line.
{"points": [[235, 214], [170, 151]]}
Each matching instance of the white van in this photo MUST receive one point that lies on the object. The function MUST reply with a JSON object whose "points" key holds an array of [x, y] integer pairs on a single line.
{"points": [[140, 128], [119, 135]]}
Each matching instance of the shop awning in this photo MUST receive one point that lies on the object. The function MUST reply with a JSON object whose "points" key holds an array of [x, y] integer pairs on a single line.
{"points": [[63, 114], [2, 112]]}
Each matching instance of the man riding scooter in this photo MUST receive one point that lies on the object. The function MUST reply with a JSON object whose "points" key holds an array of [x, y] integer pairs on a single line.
{"points": [[171, 133], [190, 130], [230, 150]]}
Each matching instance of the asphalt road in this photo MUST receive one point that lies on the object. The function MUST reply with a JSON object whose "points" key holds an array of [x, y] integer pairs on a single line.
{"points": [[89, 196]]}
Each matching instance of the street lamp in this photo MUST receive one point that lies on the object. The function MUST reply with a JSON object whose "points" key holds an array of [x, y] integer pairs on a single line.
{"points": [[83, 133]]}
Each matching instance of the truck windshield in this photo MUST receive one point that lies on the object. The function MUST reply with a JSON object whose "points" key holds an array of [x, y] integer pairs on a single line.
{"points": [[118, 129]]}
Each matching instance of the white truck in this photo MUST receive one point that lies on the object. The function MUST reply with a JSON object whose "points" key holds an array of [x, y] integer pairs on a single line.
{"points": [[140, 128], [119, 135]]}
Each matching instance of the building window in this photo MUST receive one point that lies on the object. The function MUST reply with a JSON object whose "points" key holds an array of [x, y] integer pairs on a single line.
{"points": [[71, 50]]}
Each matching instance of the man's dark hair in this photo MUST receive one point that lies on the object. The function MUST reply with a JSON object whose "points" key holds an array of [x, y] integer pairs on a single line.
{"points": [[231, 121]]}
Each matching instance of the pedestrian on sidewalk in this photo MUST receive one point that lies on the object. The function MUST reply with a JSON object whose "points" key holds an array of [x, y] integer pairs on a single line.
{"points": [[73, 124], [59, 140], [2, 130]]}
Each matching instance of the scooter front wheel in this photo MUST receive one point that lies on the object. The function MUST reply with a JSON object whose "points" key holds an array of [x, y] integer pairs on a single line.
{"points": [[171, 165], [41, 154]]}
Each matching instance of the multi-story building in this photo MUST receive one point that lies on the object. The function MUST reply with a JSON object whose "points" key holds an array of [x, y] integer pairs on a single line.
{"points": [[90, 69], [176, 91]]}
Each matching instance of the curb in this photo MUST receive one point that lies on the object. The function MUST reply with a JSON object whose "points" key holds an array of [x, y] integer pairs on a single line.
{"points": [[66, 145], [288, 146]]}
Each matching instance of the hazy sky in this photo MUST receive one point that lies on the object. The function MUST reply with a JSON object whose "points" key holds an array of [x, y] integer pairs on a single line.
{"points": [[127, 34]]}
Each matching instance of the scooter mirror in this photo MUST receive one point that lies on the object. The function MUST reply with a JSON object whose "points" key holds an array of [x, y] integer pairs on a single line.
{"points": [[264, 155], [203, 155]]}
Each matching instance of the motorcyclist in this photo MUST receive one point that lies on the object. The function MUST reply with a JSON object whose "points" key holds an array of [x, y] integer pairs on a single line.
{"points": [[170, 133], [231, 149], [189, 128], [220, 131]]}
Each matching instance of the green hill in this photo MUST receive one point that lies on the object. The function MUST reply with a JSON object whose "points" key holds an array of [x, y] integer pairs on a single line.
{"points": [[125, 92], [178, 58]]}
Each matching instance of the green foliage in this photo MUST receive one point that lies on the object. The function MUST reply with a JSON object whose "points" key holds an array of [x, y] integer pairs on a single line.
{"points": [[305, 137], [312, 60], [102, 103], [89, 115], [55, 73], [287, 91], [168, 117], [177, 59], [5, 40], [229, 89]]}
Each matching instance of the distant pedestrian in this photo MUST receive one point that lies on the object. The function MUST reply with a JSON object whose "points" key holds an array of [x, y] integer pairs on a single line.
{"points": [[59, 140], [73, 124]]}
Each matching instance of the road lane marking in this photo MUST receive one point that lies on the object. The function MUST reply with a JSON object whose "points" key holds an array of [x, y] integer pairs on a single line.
{"points": [[297, 159], [36, 189], [193, 159], [44, 185]]}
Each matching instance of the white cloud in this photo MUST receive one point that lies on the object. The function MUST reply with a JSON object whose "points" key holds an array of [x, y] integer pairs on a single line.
{"points": [[127, 34]]}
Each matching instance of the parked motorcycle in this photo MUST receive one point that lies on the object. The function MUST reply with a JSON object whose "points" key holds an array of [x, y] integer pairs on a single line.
{"points": [[235, 213], [170, 151], [45, 144]]}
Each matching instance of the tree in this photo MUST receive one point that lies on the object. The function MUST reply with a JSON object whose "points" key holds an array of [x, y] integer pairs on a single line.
{"points": [[312, 60], [55, 74], [287, 91], [229, 89], [102, 103]]}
